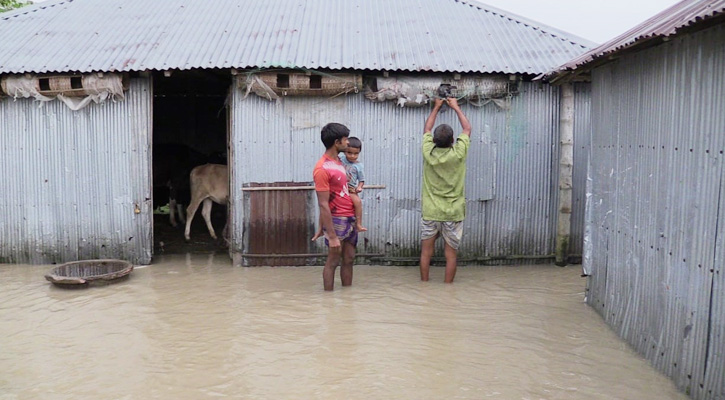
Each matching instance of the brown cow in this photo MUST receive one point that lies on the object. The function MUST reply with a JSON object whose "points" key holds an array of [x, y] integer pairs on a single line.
{"points": [[172, 163], [209, 182]]}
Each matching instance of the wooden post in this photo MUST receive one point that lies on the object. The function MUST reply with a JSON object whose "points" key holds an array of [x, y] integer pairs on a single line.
{"points": [[566, 162]]}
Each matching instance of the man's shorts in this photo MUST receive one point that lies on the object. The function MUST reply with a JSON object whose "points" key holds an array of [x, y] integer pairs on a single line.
{"points": [[452, 231], [345, 230]]}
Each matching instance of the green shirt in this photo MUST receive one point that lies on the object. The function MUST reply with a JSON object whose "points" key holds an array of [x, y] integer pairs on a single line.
{"points": [[444, 174]]}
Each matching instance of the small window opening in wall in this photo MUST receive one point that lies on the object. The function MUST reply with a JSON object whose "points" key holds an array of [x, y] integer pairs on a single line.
{"points": [[76, 82], [44, 83], [315, 82], [282, 80]]}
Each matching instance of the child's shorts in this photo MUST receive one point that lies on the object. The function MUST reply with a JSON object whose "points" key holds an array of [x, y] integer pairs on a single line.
{"points": [[351, 189]]}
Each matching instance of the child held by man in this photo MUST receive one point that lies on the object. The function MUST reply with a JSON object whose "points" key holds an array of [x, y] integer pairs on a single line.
{"points": [[355, 181]]}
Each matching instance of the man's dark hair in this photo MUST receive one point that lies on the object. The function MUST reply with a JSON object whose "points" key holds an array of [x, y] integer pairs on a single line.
{"points": [[354, 142], [332, 132], [443, 136]]}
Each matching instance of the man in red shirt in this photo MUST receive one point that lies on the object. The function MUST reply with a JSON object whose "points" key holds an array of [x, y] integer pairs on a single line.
{"points": [[337, 213]]}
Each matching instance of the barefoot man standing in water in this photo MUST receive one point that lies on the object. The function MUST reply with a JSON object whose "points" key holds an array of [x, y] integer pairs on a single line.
{"points": [[443, 199], [337, 213]]}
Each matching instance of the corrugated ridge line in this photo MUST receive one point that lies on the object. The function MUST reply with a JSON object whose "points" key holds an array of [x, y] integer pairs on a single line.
{"points": [[650, 343], [550, 209], [541, 204], [694, 349], [709, 124], [277, 25], [248, 30], [7, 186], [211, 54], [520, 215], [172, 44], [518, 219], [676, 225], [499, 47], [138, 124], [236, 211], [582, 134], [715, 374], [592, 263], [537, 26], [20, 35], [455, 57]]}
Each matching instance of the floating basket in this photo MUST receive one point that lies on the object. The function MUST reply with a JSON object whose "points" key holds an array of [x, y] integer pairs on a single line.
{"points": [[89, 271]]}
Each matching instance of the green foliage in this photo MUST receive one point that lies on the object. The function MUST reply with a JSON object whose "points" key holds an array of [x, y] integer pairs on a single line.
{"points": [[7, 5]]}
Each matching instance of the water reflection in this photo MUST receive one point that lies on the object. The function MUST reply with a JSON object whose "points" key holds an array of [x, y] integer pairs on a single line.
{"points": [[191, 326]]}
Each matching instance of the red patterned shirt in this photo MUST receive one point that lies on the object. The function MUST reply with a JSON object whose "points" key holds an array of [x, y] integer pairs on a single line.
{"points": [[330, 176]]}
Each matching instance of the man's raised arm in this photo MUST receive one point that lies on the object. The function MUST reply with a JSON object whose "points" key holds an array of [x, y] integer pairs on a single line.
{"points": [[431, 121], [465, 125]]}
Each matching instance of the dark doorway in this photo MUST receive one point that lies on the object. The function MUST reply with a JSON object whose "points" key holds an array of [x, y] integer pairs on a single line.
{"points": [[189, 129]]}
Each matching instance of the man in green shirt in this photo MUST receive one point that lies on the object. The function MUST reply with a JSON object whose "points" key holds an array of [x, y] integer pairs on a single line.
{"points": [[443, 198]]}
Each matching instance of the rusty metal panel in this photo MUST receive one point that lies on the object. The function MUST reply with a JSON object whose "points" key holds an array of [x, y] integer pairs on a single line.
{"points": [[279, 223], [76, 184]]}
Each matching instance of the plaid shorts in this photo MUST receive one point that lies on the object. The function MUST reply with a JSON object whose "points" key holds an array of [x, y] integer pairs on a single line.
{"points": [[345, 230], [452, 231]]}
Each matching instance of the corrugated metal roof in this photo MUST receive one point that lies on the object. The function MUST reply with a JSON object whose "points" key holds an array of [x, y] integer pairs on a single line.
{"points": [[410, 35], [667, 23]]}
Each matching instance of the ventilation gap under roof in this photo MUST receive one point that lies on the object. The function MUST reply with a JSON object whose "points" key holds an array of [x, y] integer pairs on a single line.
{"points": [[315, 82], [76, 82]]}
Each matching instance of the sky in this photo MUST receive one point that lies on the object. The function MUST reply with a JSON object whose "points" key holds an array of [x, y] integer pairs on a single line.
{"points": [[595, 20]]}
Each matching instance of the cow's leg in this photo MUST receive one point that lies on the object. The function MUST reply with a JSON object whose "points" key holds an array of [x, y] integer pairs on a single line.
{"points": [[172, 202], [180, 210], [176, 209], [190, 211], [172, 211], [206, 213]]}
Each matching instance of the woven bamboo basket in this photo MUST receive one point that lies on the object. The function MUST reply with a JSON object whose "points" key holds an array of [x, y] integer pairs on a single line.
{"points": [[301, 84], [69, 85], [89, 271]]}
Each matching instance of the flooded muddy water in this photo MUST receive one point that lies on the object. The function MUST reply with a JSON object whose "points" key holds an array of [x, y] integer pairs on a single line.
{"points": [[194, 327]]}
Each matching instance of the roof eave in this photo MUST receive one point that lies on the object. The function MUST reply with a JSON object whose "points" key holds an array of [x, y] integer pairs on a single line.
{"points": [[591, 59]]}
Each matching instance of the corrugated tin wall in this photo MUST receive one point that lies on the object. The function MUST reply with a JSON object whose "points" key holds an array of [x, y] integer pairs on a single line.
{"points": [[514, 152], [655, 215], [582, 136], [72, 181]]}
